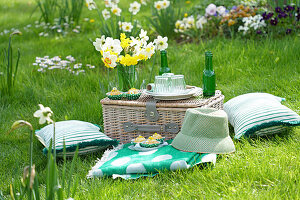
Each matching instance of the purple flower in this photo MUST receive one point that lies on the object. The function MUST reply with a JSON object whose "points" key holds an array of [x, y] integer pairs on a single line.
{"points": [[282, 15], [288, 31], [278, 10], [259, 32], [274, 21], [234, 8], [267, 16], [264, 15], [270, 15], [289, 8]]}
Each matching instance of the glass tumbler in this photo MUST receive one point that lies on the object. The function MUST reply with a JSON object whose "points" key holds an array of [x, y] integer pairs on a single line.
{"points": [[177, 84], [161, 85]]}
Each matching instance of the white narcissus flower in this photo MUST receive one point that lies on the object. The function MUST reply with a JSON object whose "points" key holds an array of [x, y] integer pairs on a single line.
{"points": [[127, 26], [113, 45], [143, 36], [99, 43], [165, 4], [158, 5], [161, 43], [90, 4], [211, 9], [44, 114], [105, 14], [134, 7], [109, 59], [199, 24], [107, 3], [116, 10], [221, 10], [144, 2], [149, 50]]}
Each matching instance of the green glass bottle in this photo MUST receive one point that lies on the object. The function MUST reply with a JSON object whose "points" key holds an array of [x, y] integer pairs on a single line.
{"points": [[209, 77], [164, 68]]}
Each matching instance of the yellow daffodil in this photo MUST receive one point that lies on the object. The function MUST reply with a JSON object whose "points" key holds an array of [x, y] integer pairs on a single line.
{"points": [[125, 42], [128, 60]]}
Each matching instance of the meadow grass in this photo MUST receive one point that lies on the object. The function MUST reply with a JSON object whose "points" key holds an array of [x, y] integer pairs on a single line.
{"points": [[261, 168]]}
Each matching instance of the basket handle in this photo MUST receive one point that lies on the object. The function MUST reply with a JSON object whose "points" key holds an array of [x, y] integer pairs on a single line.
{"points": [[167, 128]]}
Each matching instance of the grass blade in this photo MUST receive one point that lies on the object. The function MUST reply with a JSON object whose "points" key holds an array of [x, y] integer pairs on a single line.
{"points": [[72, 169]]}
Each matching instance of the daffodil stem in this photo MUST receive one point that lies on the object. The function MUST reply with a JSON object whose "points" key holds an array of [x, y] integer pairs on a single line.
{"points": [[30, 163], [152, 68], [54, 150]]}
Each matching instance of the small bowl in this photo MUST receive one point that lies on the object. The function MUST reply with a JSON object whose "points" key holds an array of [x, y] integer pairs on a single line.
{"points": [[144, 144], [132, 96], [115, 97], [161, 140]]}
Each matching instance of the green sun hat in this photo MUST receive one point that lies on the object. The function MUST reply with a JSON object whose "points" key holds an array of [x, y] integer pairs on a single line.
{"points": [[204, 130]]}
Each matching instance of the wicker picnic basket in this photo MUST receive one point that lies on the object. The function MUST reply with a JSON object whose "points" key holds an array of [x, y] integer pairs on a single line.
{"points": [[125, 120]]}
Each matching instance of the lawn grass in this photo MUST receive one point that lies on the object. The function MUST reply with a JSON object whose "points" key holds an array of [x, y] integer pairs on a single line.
{"points": [[261, 168]]}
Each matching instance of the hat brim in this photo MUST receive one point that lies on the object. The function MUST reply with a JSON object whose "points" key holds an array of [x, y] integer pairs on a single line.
{"points": [[203, 145]]}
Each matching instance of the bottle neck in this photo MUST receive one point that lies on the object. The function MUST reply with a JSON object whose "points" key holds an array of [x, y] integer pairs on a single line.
{"points": [[164, 60], [208, 62]]}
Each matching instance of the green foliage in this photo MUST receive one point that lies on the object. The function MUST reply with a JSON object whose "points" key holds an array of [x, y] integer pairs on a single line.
{"points": [[262, 168], [47, 9], [164, 20], [30, 187], [7, 81], [66, 11]]}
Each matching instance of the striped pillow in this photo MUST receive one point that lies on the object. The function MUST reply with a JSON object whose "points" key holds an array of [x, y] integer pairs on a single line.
{"points": [[259, 114], [86, 135]]}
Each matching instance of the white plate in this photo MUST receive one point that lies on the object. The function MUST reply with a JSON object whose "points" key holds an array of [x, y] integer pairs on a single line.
{"points": [[185, 95]]}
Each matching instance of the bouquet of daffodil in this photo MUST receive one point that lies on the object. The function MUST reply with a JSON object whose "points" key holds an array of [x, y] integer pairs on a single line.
{"points": [[125, 53]]}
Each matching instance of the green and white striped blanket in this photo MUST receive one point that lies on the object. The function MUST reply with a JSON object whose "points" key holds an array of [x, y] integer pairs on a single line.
{"points": [[130, 164]]}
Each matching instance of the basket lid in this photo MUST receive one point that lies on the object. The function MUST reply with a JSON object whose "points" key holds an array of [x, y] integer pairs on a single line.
{"points": [[196, 101]]}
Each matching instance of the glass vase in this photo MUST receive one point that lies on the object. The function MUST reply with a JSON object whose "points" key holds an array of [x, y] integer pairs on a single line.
{"points": [[126, 77]]}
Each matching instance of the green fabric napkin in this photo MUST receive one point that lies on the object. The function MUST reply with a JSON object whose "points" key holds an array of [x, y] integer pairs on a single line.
{"points": [[129, 164]]}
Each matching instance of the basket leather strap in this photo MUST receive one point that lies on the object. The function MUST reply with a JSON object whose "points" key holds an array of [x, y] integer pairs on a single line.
{"points": [[167, 128], [151, 112]]}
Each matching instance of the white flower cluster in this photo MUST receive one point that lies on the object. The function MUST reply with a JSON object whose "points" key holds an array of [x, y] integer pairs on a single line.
{"points": [[255, 23], [189, 22], [138, 47], [159, 5], [184, 24], [125, 26], [91, 4], [45, 28], [46, 63], [254, 2], [111, 3], [6, 31], [112, 7], [213, 10]]}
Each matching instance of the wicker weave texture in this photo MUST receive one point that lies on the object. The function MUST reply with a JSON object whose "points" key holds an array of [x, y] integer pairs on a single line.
{"points": [[115, 115]]}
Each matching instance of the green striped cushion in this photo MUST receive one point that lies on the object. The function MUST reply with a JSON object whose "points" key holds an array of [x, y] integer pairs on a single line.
{"points": [[84, 134], [259, 114]]}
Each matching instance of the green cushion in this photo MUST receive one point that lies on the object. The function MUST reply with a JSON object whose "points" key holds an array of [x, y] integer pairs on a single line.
{"points": [[259, 114], [84, 134]]}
